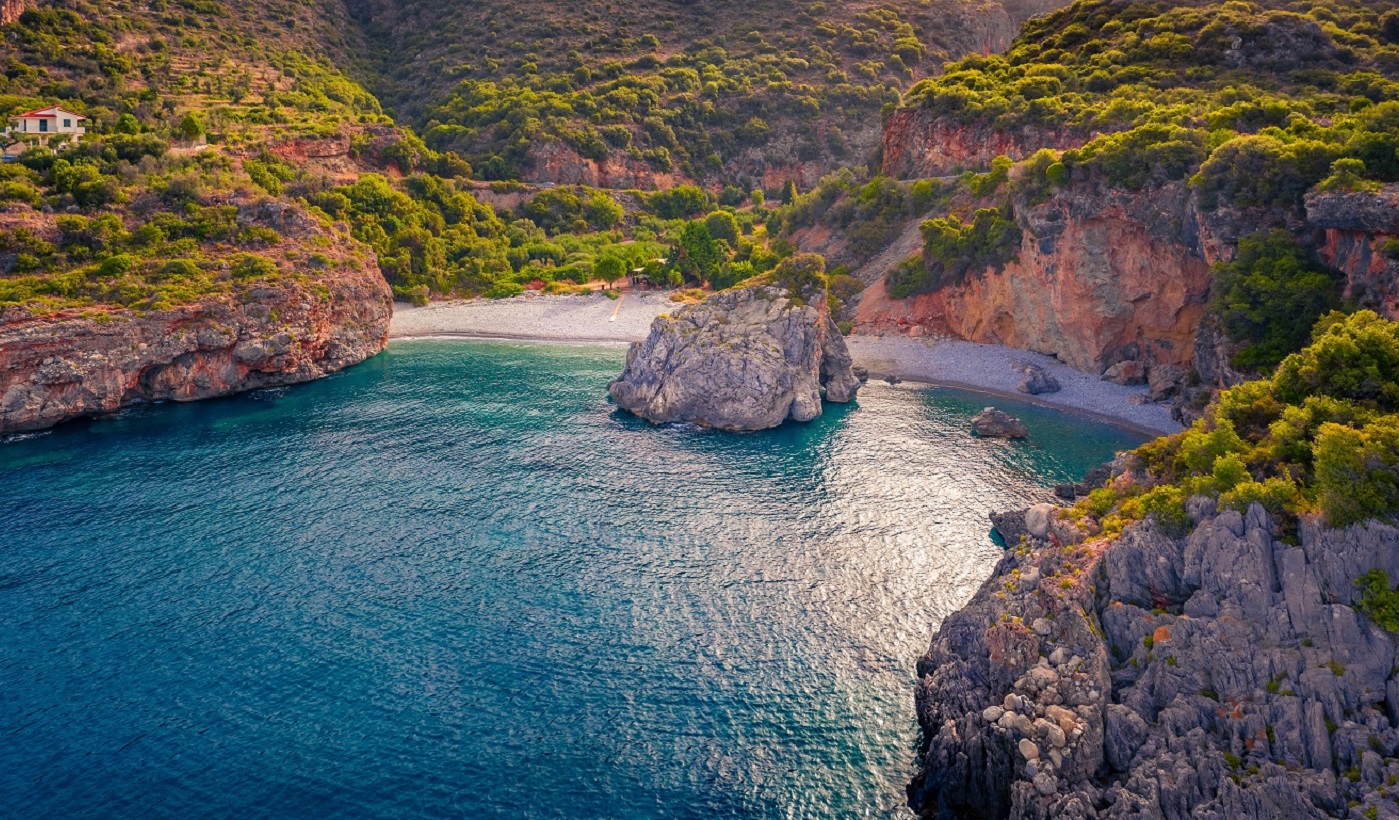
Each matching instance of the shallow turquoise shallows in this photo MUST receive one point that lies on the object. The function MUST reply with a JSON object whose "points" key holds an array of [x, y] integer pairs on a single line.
{"points": [[455, 582]]}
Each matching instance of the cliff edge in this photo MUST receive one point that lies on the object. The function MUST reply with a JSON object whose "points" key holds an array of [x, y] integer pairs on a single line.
{"points": [[1224, 674], [89, 362]]}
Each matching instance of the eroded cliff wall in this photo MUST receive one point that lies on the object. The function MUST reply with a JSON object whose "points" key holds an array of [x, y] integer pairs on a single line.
{"points": [[78, 363], [1101, 276]]}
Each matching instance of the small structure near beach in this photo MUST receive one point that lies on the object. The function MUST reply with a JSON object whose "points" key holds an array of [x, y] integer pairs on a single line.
{"points": [[744, 359]]}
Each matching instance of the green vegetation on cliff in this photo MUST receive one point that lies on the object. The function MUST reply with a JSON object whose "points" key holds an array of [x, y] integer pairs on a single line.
{"points": [[1320, 436], [709, 91]]}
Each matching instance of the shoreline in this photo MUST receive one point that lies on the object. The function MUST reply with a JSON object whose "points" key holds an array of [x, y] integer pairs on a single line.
{"points": [[598, 321]]}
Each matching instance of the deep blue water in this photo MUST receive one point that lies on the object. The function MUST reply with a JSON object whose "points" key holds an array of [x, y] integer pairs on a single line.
{"points": [[454, 582]]}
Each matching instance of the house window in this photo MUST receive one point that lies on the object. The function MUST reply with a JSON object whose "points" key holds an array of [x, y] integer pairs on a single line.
{"points": [[67, 123], [43, 125]]}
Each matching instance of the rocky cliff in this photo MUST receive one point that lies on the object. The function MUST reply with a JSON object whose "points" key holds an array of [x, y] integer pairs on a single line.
{"points": [[1224, 674], [79, 363], [1101, 276], [919, 144], [744, 359], [1361, 239], [10, 10]]}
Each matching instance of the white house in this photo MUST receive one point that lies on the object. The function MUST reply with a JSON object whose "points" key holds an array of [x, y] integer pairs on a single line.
{"points": [[47, 122]]}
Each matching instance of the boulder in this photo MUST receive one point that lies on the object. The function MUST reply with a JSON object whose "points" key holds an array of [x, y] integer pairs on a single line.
{"points": [[993, 423], [745, 359], [1036, 380], [1164, 381], [1128, 373]]}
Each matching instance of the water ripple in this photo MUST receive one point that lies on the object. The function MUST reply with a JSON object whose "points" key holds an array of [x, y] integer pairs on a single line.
{"points": [[454, 581]]}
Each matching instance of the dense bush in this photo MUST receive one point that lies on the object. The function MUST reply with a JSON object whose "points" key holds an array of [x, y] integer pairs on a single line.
{"points": [[1269, 297], [1320, 436], [952, 249]]}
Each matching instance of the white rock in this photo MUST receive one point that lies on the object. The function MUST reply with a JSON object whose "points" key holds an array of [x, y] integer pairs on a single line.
{"points": [[991, 714]]}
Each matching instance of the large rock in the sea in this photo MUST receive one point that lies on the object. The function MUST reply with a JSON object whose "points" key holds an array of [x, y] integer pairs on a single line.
{"points": [[744, 359], [78, 363], [1224, 673]]}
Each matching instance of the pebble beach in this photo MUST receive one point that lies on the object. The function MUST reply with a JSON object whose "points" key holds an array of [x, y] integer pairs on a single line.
{"points": [[595, 319]]}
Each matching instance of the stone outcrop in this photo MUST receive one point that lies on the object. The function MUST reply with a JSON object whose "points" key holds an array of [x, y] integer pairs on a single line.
{"points": [[1359, 239], [993, 423], [10, 10], [1101, 276], [745, 359], [1224, 674], [80, 363], [919, 144]]}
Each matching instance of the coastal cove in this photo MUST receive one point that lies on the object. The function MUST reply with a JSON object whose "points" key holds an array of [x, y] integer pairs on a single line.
{"points": [[455, 580], [981, 368]]}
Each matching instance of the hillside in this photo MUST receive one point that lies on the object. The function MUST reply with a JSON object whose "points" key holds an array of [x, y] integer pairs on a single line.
{"points": [[636, 94], [1138, 187]]}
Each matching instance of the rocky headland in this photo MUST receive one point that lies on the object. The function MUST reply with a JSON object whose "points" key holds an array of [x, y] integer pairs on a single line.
{"points": [[87, 362], [744, 359], [1224, 673]]}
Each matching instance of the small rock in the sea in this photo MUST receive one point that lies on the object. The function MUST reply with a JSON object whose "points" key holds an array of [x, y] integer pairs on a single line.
{"points": [[993, 423], [861, 373], [1067, 492], [892, 379], [1028, 749], [1036, 380]]}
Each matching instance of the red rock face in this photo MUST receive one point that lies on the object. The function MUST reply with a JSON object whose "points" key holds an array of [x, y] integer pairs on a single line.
{"points": [[1360, 231], [86, 363], [1104, 284], [10, 10], [557, 163], [919, 144]]}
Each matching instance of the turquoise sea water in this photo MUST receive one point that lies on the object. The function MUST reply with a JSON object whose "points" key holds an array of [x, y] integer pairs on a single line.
{"points": [[454, 582]]}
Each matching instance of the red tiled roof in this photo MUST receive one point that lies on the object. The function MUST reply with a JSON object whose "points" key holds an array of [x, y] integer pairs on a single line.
{"points": [[39, 114]]}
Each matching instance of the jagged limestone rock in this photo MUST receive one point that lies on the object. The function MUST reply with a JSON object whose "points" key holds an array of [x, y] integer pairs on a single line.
{"points": [[744, 359], [1223, 674]]}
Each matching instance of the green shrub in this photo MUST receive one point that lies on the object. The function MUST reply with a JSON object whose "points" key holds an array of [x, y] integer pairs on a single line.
{"points": [[1270, 296]]}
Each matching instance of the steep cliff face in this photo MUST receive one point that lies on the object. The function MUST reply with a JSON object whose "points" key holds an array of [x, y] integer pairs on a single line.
{"points": [[919, 144], [1102, 276], [556, 163], [1221, 674], [745, 359], [1360, 233], [10, 10], [80, 363]]}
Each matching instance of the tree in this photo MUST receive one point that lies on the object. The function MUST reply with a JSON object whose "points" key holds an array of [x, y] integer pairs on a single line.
{"points": [[789, 192], [191, 127], [609, 269], [602, 211], [127, 124], [723, 225], [698, 254], [1269, 297], [758, 197]]}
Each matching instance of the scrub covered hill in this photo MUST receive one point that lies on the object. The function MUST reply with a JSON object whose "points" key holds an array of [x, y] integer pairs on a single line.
{"points": [[641, 94]]}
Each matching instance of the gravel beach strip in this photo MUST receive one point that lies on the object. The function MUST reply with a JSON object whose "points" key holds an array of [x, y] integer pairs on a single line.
{"points": [[989, 369]]}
